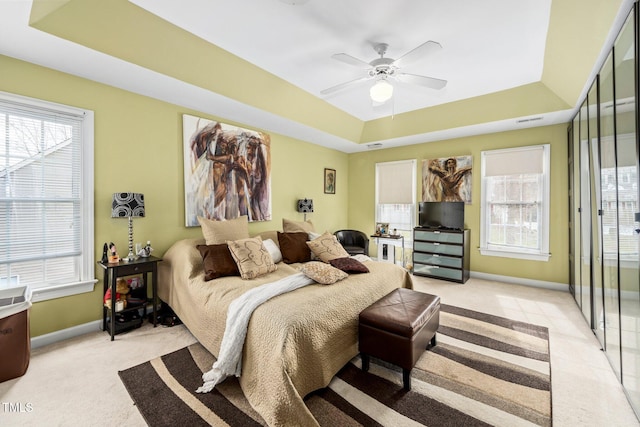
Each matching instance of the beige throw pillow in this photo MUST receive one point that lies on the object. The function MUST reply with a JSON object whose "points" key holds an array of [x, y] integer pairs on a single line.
{"points": [[322, 273], [252, 258], [289, 226], [218, 232], [327, 247]]}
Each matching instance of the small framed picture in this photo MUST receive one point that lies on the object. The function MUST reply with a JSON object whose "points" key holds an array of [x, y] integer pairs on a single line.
{"points": [[382, 228], [329, 181]]}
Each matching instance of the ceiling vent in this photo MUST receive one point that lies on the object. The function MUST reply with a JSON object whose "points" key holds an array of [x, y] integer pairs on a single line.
{"points": [[374, 146], [532, 119]]}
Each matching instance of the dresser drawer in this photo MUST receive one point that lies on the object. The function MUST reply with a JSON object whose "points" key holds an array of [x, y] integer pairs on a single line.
{"points": [[436, 271], [435, 259], [439, 236], [438, 248]]}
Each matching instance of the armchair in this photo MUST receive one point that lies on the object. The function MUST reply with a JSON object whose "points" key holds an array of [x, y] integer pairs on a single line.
{"points": [[353, 241]]}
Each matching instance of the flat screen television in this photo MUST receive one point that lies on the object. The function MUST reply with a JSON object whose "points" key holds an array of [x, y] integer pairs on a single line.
{"points": [[446, 215]]}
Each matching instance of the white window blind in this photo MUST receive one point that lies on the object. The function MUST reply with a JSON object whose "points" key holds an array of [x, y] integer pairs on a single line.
{"points": [[515, 202], [46, 209]]}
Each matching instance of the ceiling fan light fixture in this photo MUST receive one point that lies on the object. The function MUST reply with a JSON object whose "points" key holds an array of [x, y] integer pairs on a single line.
{"points": [[381, 91]]}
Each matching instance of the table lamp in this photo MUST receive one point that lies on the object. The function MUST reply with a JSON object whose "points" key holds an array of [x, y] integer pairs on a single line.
{"points": [[128, 205], [304, 206]]}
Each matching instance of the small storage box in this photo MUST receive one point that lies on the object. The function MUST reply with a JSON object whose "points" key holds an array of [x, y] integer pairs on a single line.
{"points": [[15, 340]]}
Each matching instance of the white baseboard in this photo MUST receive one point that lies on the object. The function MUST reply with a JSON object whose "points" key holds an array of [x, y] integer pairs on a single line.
{"points": [[65, 334], [556, 286]]}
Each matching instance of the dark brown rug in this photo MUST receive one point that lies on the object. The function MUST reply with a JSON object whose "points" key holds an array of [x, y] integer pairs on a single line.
{"points": [[485, 370]]}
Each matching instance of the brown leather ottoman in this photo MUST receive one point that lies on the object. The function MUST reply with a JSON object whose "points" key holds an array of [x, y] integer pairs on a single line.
{"points": [[398, 328]]}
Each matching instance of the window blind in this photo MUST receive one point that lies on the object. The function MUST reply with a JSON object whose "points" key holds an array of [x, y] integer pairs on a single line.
{"points": [[527, 160], [41, 196], [395, 182]]}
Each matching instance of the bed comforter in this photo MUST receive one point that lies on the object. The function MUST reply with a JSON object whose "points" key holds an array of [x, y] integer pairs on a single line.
{"points": [[296, 342]]}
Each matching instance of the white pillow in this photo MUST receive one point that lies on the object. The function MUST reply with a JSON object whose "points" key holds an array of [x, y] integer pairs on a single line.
{"points": [[273, 249]]}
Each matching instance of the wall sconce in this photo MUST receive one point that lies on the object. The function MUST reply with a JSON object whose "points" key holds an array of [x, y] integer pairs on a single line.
{"points": [[128, 205], [304, 206]]}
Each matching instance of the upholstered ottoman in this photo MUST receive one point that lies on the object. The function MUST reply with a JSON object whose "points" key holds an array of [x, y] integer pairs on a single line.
{"points": [[398, 328]]}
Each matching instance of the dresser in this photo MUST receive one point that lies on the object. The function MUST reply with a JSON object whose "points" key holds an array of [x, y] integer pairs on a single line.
{"points": [[443, 254]]}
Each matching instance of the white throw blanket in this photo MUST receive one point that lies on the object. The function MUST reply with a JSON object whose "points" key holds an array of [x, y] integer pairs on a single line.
{"points": [[240, 310]]}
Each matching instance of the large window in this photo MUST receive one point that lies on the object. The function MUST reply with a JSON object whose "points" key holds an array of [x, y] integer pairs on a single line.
{"points": [[515, 203], [396, 196], [46, 197]]}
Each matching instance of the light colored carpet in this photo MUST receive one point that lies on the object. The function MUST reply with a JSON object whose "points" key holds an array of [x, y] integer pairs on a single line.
{"points": [[76, 383]]}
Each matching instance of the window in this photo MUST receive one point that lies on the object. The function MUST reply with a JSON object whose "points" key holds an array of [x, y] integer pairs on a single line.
{"points": [[514, 215], [46, 197], [396, 196]]}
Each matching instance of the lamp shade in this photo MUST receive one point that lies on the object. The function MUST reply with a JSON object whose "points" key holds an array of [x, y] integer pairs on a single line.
{"points": [[305, 205], [381, 91], [126, 205]]}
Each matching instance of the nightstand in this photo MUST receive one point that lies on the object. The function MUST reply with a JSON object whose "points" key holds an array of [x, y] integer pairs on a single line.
{"points": [[112, 271]]}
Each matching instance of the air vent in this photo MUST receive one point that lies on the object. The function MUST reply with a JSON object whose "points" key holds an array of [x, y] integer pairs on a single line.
{"points": [[532, 119], [374, 145]]}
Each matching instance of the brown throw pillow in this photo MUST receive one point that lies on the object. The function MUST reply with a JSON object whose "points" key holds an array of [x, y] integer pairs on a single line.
{"points": [[349, 265], [294, 247], [327, 247], [217, 261]]}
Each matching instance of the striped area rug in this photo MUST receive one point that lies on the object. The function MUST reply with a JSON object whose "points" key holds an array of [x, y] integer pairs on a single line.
{"points": [[485, 370]]}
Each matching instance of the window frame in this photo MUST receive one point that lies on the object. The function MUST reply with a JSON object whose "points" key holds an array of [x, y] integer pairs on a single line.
{"points": [[487, 249], [87, 266]]}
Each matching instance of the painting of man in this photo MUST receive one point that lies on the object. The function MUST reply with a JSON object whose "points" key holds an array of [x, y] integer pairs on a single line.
{"points": [[447, 179], [226, 171]]}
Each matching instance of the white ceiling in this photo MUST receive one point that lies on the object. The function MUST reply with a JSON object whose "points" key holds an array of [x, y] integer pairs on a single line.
{"points": [[487, 46]]}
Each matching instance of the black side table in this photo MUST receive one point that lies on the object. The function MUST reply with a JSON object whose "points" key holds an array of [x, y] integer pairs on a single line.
{"points": [[114, 270]]}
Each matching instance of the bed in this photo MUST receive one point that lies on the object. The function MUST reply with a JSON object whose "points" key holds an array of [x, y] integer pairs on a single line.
{"points": [[296, 342]]}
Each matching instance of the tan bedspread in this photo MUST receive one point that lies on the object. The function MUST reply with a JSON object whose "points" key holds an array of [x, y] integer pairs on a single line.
{"points": [[295, 342]]}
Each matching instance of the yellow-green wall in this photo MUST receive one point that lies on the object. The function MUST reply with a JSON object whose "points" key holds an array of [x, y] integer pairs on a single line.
{"points": [[362, 197], [138, 147]]}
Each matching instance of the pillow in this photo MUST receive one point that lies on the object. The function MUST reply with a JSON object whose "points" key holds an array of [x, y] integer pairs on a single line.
{"points": [[217, 261], [273, 250], [294, 247], [252, 258], [289, 226], [218, 232], [327, 247], [349, 265], [322, 273]]}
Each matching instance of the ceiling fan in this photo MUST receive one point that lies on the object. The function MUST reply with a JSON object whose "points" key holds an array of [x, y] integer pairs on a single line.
{"points": [[380, 69]]}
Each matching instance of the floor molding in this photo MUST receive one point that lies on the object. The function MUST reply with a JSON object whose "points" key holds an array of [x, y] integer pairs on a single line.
{"points": [[556, 286], [65, 334]]}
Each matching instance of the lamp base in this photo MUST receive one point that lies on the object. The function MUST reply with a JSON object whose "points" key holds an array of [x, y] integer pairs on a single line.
{"points": [[130, 257]]}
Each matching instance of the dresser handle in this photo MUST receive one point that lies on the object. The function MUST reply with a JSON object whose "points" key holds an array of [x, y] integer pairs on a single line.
{"points": [[436, 244], [436, 232], [436, 255]]}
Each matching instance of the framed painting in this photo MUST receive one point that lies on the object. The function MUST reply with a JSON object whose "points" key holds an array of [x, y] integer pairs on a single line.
{"points": [[329, 181], [227, 171], [447, 179]]}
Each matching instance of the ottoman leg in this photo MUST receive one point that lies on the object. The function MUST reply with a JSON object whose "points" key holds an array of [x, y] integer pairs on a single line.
{"points": [[365, 362], [433, 341], [406, 378]]}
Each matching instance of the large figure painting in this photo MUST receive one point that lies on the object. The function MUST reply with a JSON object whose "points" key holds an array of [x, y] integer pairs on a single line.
{"points": [[227, 171], [447, 179]]}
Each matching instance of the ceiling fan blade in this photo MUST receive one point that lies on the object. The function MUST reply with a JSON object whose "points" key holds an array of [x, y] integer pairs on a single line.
{"points": [[424, 49], [429, 82], [342, 85], [351, 60]]}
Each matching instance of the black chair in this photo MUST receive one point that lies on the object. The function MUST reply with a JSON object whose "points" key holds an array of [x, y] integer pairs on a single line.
{"points": [[354, 241]]}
